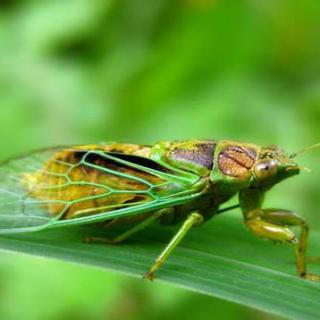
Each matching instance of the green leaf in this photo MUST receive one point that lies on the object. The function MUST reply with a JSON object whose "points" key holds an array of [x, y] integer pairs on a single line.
{"points": [[220, 259]]}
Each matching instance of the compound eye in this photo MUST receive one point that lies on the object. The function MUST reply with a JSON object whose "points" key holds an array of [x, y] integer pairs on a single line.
{"points": [[265, 169]]}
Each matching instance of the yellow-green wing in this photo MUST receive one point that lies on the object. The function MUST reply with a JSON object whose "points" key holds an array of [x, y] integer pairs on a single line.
{"points": [[85, 184]]}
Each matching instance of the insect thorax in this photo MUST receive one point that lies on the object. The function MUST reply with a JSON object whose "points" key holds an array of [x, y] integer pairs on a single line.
{"points": [[225, 165]]}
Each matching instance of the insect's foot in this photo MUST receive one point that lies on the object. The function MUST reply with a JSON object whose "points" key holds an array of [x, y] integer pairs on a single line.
{"points": [[149, 276], [312, 277]]}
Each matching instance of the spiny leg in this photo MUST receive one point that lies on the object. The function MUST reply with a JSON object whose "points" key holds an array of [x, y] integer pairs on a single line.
{"points": [[193, 219], [125, 235], [272, 224]]}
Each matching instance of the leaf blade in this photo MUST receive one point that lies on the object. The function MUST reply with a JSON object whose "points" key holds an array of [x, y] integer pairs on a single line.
{"points": [[219, 259]]}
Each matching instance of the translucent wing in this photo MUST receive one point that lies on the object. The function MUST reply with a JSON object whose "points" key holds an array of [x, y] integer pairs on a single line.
{"points": [[18, 208], [87, 184]]}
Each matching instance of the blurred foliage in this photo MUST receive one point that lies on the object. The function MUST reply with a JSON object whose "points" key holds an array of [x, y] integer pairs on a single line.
{"points": [[90, 71]]}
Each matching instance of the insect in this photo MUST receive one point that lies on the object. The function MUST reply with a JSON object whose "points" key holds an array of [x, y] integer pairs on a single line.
{"points": [[179, 182]]}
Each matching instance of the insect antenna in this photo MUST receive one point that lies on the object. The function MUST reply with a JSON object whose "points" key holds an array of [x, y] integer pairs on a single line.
{"points": [[306, 169], [314, 146]]}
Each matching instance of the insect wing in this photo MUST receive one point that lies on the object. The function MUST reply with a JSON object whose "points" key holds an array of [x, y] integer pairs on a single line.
{"points": [[71, 186], [19, 210]]}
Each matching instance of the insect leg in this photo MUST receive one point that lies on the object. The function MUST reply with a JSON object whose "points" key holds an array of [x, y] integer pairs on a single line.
{"points": [[273, 224], [125, 235], [193, 219]]}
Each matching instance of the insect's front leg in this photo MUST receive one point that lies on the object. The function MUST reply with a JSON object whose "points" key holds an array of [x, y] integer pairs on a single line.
{"points": [[273, 224]]}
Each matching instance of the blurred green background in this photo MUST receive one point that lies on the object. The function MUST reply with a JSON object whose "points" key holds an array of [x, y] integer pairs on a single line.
{"points": [[138, 71]]}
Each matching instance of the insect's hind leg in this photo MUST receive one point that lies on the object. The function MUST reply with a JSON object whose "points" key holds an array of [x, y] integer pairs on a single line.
{"points": [[125, 235], [273, 224], [193, 219]]}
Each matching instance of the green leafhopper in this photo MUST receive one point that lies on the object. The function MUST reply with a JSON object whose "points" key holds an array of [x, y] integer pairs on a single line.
{"points": [[179, 182]]}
